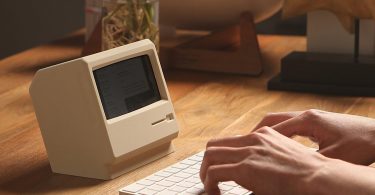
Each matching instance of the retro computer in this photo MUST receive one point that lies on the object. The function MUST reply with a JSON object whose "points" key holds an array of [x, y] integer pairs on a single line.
{"points": [[105, 114]]}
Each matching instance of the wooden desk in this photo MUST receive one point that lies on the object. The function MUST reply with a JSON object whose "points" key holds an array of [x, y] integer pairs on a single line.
{"points": [[207, 105]]}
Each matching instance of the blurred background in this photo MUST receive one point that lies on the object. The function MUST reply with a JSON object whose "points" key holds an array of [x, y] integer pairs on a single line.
{"points": [[25, 24]]}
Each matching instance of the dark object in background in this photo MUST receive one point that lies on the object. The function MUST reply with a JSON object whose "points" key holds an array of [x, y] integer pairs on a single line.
{"points": [[275, 25], [335, 74], [26, 24], [338, 74]]}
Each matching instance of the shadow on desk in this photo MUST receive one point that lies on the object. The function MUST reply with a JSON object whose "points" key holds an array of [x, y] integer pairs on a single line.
{"points": [[25, 183], [43, 56]]}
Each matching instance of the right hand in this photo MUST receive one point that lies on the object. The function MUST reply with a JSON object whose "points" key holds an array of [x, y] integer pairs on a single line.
{"points": [[341, 136], [265, 162]]}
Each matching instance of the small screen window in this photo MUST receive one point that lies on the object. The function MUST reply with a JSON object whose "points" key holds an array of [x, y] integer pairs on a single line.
{"points": [[126, 86]]}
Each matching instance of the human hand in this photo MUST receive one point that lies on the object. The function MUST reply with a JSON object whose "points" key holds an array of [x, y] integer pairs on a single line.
{"points": [[346, 137], [265, 162]]}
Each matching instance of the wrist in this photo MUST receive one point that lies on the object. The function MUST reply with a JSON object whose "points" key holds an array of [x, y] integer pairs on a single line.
{"points": [[318, 181], [340, 177]]}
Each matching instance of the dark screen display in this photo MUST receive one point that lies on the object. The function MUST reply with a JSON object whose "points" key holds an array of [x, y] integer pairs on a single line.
{"points": [[126, 86]]}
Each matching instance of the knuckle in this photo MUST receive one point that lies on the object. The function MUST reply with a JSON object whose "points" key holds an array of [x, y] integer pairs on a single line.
{"points": [[210, 171], [209, 153], [257, 137], [244, 151], [248, 152], [311, 114], [211, 143], [270, 115], [265, 130], [243, 166], [261, 138], [260, 151], [312, 111]]}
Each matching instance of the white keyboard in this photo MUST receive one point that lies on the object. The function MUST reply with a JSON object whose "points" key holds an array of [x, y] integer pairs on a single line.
{"points": [[180, 178]]}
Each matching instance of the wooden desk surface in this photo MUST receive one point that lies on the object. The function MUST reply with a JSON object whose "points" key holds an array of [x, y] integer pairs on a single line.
{"points": [[207, 105]]}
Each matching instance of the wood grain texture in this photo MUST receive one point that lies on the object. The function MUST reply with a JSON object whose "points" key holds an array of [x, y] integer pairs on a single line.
{"points": [[208, 105]]}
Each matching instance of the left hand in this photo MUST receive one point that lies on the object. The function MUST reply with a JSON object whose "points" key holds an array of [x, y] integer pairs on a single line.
{"points": [[264, 162]]}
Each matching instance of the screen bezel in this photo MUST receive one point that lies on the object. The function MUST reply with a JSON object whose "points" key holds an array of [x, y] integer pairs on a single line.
{"points": [[151, 80], [107, 60]]}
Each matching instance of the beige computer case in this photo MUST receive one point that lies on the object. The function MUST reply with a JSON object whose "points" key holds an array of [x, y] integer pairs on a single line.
{"points": [[79, 139]]}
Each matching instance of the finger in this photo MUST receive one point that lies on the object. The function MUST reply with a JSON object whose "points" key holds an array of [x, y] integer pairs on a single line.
{"points": [[220, 173], [221, 155], [276, 118], [237, 141], [295, 126]]}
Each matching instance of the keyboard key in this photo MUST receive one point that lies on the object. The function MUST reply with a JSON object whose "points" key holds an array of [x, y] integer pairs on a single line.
{"points": [[187, 193], [154, 178], [169, 192], [195, 190], [196, 166], [145, 182], [196, 176], [163, 174], [174, 179], [191, 171], [200, 154], [157, 187], [239, 191], [133, 188], [172, 170], [199, 186], [177, 188], [147, 192], [193, 180], [186, 184], [196, 158], [229, 193], [183, 175], [225, 187], [230, 183], [180, 166], [188, 162], [166, 183]]}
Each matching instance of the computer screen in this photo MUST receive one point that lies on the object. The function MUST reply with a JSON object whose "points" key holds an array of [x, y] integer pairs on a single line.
{"points": [[126, 86]]}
